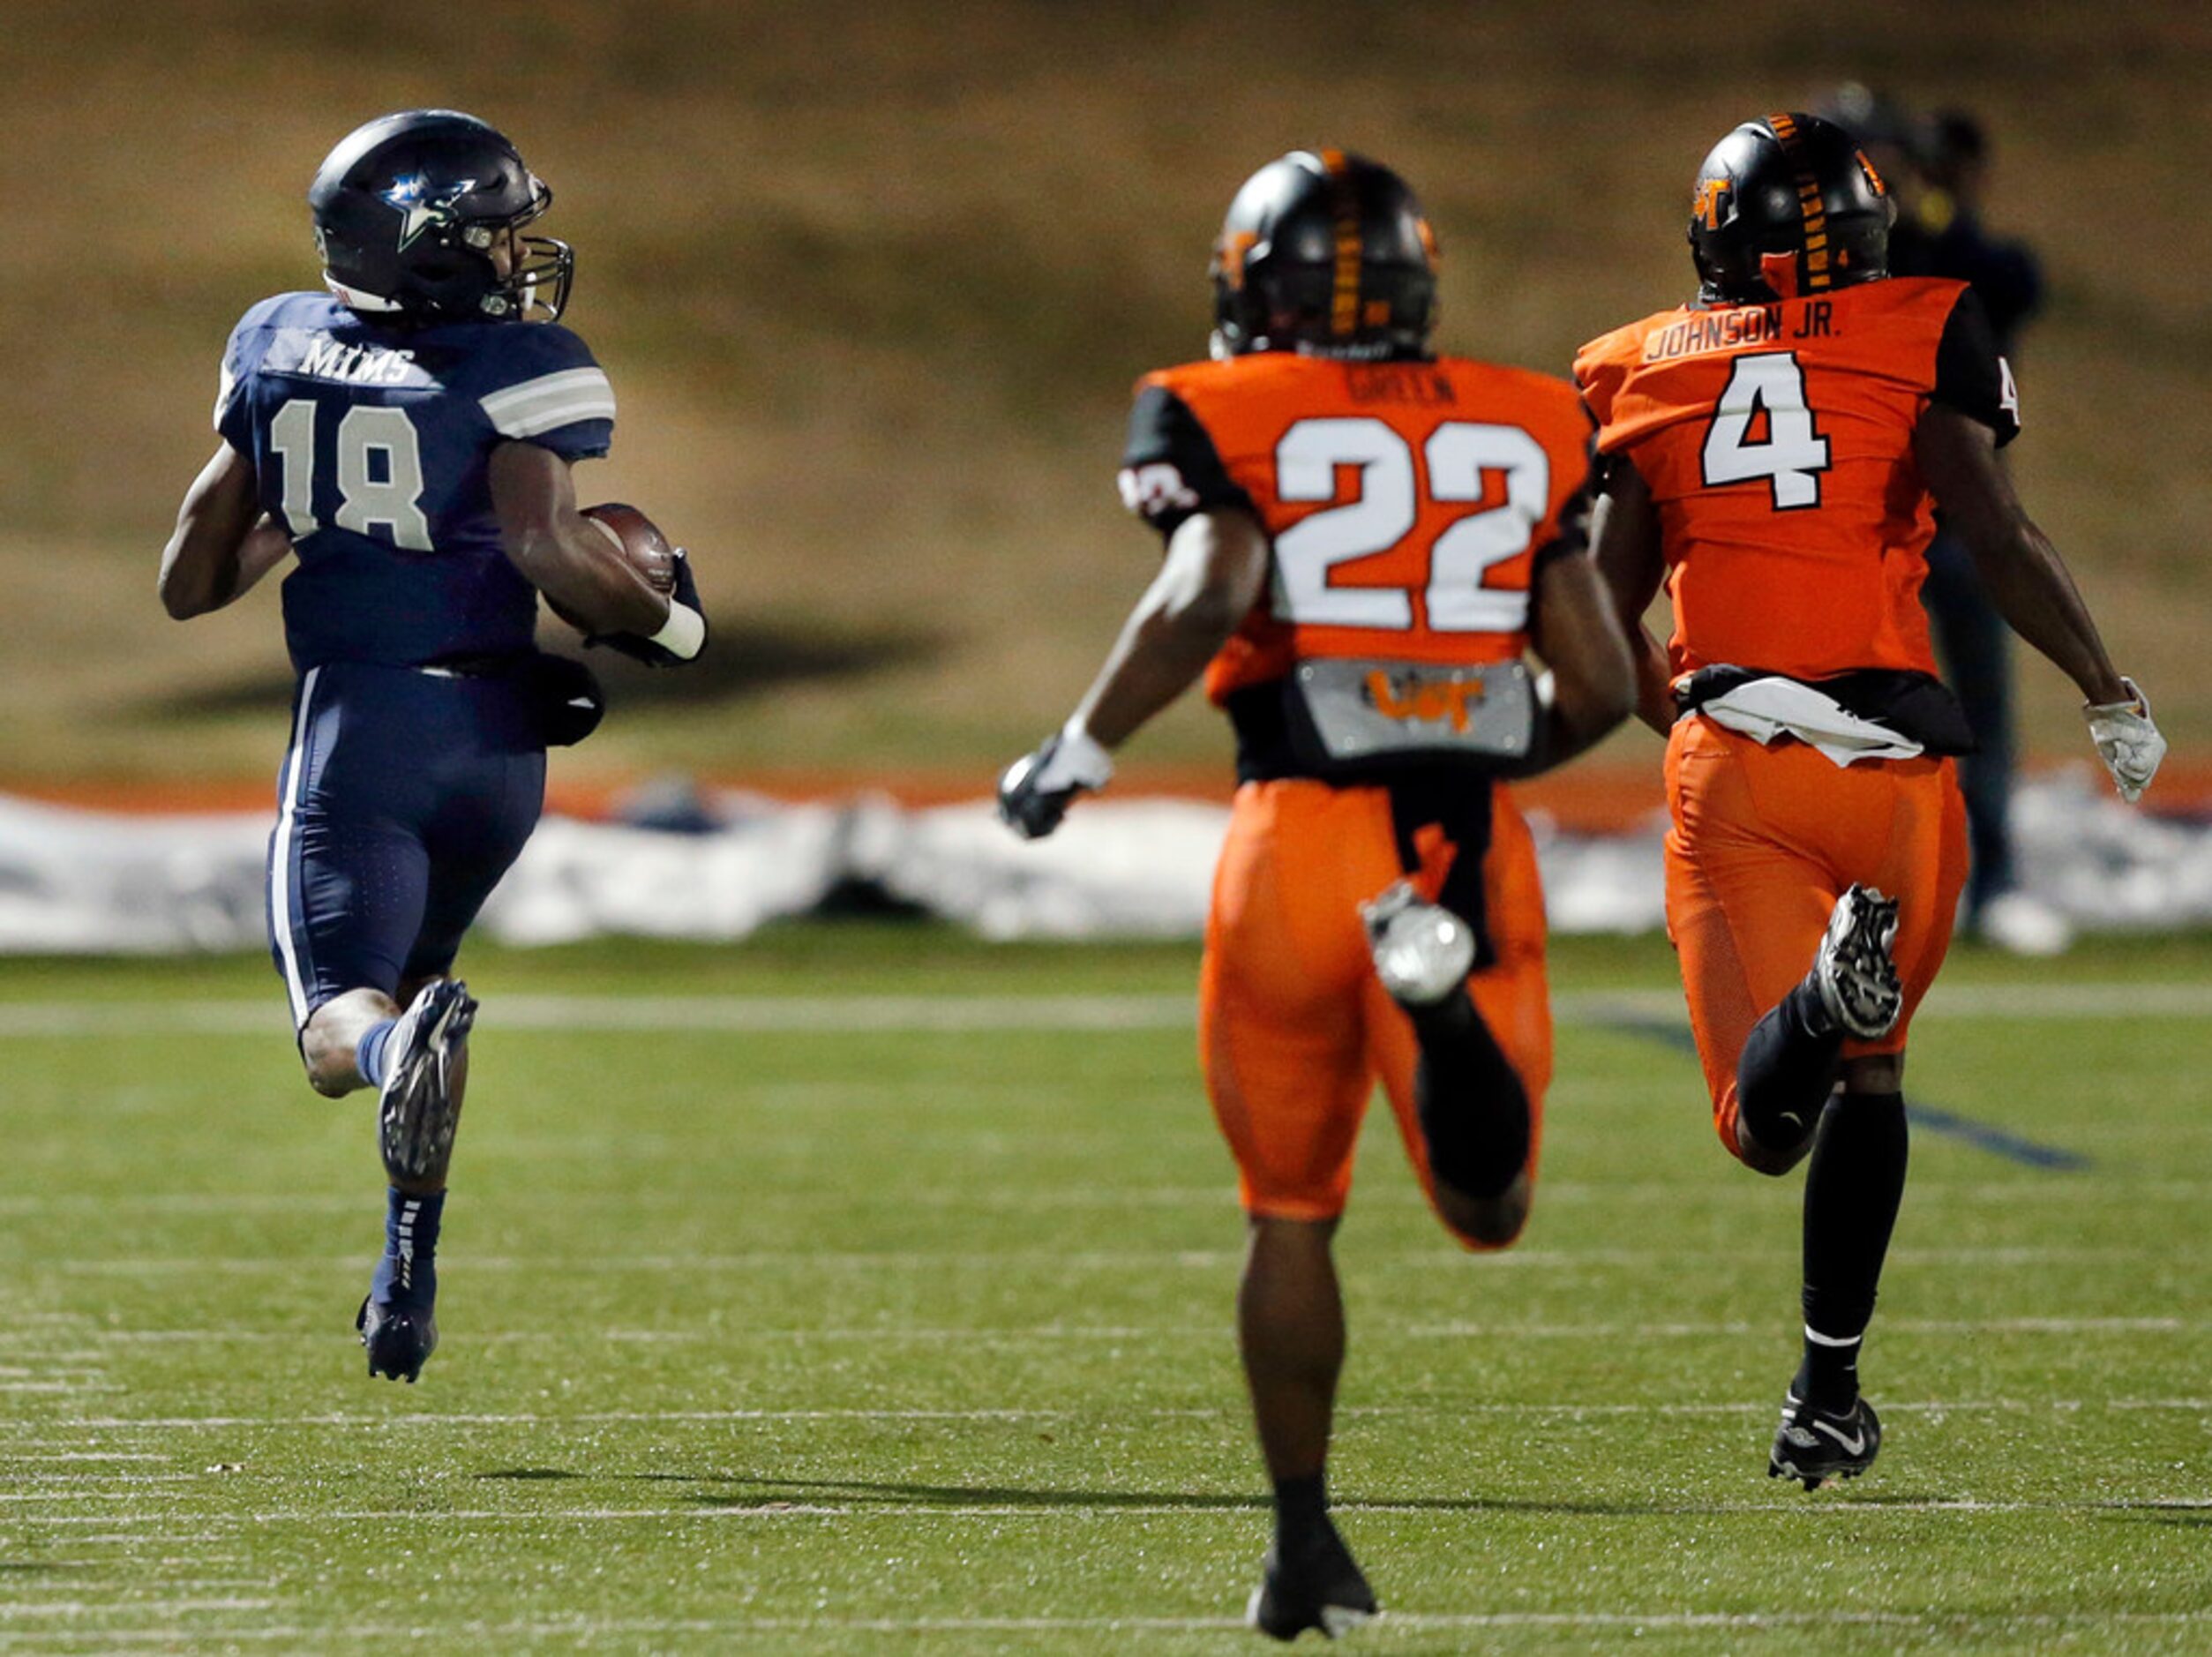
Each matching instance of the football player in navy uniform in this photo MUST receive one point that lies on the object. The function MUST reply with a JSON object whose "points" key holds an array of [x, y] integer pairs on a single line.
{"points": [[409, 435]]}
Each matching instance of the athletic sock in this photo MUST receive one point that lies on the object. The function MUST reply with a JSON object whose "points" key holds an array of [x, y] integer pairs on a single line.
{"points": [[1302, 1508], [409, 1271], [1473, 1109], [1788, 1070], [367, 1053], [1852, 1191]]}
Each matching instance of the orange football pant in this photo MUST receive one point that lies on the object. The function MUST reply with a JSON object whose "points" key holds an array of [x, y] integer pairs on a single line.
{"points": [[1293, 1028], [1763, 842]]}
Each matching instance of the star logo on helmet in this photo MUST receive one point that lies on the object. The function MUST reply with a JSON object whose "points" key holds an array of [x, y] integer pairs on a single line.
{"points": [[422, 205]]}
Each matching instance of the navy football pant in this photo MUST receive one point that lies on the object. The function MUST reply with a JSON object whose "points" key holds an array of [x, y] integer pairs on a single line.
{"points": [[405, 797]]}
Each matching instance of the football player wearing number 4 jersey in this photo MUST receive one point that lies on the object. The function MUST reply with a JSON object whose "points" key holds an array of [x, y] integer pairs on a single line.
{"points": [[409, 436], [1775, 452], [1362, 540]]}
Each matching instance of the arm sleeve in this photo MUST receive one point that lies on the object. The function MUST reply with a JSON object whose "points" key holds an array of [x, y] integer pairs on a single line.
{"points": [[1170, 469], [547, 389], [1970, 376]]}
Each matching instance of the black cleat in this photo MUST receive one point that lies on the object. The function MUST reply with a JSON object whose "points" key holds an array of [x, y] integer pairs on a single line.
{"points": [[1814, 1445], [417, 1113], [1318, 1586], [400, 1339]]}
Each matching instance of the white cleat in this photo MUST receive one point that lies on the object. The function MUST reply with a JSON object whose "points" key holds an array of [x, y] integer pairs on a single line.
{"points": [[417, 1111], [1856, 979], [1422, 951]]}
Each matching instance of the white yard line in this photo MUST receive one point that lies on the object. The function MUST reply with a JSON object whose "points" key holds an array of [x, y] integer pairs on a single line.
{"points": [[959, 1013], [1045, 1260], [1064, 1512], [1888, 1326], [353, 1422], [132, 1608], [1219, 1195], [568, 1629], [1047, 1334]]}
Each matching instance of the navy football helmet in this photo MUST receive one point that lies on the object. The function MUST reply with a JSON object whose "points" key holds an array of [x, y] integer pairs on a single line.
{"points": [[1327, 253], [410, 211], [1787, 204]]}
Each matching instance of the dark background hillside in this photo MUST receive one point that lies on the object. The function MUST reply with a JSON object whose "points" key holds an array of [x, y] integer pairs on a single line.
{"points": [[873, 281]]}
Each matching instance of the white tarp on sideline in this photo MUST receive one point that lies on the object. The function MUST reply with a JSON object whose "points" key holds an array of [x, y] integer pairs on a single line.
{"points": [[76, 881]]}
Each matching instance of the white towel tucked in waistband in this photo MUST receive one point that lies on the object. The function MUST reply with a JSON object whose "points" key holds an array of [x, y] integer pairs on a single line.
{"points": [[1765, 709]]}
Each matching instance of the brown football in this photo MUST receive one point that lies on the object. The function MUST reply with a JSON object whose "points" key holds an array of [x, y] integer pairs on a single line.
{"points": [[639, 539]]}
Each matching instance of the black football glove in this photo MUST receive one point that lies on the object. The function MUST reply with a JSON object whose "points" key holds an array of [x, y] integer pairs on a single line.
{"points": [[1036, 791], [682, 639]]}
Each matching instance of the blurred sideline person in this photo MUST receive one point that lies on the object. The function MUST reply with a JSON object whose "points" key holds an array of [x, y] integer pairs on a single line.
{"points": [[410, 437], [1943, 236], [1938, 169], [1775, 452], [1361, 541]]}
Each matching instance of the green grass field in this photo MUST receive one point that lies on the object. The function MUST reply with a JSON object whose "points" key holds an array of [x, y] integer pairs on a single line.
{"points": [[866, 1289]]}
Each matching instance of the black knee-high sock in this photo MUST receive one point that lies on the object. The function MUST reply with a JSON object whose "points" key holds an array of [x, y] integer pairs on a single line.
{"points": [[1852, 1193], [1788, 1070], [1473, 1108], [1301, 1509]]}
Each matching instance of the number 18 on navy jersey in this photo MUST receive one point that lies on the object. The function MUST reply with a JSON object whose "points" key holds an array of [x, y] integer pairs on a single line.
{"points": [[370, 444]]}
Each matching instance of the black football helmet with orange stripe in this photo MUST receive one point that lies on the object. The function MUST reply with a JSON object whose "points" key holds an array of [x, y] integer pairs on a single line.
{"points": [[1327, 253], [1787, 204]]}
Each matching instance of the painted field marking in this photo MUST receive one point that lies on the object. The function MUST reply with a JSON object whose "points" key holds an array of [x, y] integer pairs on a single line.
{"points": [[958, 1014], [1937, 1408], [1999, 1142], [1049, 1333], [1219, 1195], [586, 1628], [1442, 1256], [1071, 1513]]}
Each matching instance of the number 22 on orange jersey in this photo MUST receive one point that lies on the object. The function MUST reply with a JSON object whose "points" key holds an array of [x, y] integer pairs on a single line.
{"points": [[1451, 462]]}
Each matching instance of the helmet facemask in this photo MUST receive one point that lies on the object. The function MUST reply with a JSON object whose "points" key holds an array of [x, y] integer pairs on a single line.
{"points": [[534, 263]]}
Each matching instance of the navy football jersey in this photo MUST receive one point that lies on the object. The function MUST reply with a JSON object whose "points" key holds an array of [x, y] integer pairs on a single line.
{"points": [[369, 445]]}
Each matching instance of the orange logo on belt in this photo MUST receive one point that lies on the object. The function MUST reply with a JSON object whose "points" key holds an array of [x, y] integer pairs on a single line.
{"points": [[1705, 205], [1429, 701]]}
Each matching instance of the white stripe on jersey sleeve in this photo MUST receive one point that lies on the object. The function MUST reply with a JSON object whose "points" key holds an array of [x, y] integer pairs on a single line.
{"points": [[224, 386], [550, 402]]}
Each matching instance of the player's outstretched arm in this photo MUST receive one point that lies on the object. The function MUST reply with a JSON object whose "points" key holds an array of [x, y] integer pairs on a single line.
{"points": [[1590, 676], [222, 546], [1624, 546], [1207, 585], [559, 553], [2031, 587], [1216, 562]]}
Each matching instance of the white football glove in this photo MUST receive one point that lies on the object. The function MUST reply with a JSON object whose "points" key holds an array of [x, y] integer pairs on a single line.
{"points": [[1036, 791], [2126, 741]]}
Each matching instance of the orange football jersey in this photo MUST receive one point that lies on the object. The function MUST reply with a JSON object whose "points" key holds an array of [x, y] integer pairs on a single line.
{"points": [[1777, 443], [1407, 502]]}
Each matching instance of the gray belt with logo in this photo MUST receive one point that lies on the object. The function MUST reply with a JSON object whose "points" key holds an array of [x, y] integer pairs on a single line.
{"points": [[1363, 711]]}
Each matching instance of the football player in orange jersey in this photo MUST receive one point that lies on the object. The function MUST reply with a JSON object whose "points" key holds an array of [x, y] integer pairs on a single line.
{"points": [[1775, 452], [1362, 540]]}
